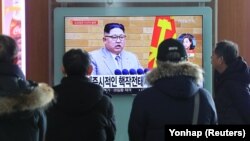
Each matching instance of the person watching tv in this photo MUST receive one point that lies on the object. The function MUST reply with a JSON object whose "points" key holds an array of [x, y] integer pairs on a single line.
{"points": [[86, 110], [113, 56], [171, 98], [22, 102], [231, 84]]}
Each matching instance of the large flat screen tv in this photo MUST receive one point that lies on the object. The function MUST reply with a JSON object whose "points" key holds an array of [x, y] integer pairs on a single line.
{"points": [[145, 28]]}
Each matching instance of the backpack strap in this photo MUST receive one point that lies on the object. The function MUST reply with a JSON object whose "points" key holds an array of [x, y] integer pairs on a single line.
{"points": [[196, 108]]}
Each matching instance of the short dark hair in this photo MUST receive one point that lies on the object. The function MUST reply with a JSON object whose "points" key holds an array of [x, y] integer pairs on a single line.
{"points": [[228, 50], [8, 49], [110, 26], [76, 62], [190, 38]]}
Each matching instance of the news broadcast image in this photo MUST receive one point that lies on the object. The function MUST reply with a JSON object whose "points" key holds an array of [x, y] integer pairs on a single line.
{"points": [[143, 35]]}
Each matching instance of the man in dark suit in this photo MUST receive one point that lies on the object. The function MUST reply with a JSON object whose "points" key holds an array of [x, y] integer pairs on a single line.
{"points": [[113, 56]]}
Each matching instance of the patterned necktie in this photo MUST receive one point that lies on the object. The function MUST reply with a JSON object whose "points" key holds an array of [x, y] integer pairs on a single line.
{"points": [[118, 60]]}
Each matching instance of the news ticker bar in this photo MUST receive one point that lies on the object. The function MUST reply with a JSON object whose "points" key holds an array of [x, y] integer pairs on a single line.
{"points": [[207, 132], [119, 81]]}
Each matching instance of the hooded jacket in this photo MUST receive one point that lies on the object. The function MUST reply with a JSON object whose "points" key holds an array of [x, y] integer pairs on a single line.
{"points": [[21, 106], [232, 94], [170, 100], [81, 112]]}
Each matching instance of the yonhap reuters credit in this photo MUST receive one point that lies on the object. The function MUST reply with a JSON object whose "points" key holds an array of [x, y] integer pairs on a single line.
{"points": [[207, 132]]}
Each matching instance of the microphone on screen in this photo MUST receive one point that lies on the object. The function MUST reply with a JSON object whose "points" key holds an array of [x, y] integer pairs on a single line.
{"points": [[146, 70], [118, 72], [132, 72], [140, 71], [125, 72]]}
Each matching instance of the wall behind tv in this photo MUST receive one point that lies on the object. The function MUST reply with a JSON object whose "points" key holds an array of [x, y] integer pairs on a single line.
{"points": [[234, 25], [38, 51]]}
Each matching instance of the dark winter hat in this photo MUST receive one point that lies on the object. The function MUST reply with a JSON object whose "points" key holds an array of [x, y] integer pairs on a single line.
{"points": [[171, 50]]}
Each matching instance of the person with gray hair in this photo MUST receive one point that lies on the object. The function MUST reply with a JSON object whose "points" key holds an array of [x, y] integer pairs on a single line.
{"points": [[175, 90], [231, 84], [22, 102]]}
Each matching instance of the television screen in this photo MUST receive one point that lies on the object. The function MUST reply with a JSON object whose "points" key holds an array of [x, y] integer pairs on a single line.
{"points": [[143, 34], [144, 31]]}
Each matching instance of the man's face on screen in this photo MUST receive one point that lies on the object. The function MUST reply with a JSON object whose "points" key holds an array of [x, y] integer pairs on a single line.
{"points": [[115, 40]]}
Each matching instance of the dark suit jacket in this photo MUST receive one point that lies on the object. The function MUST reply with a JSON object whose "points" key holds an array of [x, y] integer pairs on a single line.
{"points": [[104, 64]]}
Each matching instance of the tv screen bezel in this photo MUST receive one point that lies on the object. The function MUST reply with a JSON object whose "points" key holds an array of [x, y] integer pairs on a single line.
{"points": [[62, 12]]}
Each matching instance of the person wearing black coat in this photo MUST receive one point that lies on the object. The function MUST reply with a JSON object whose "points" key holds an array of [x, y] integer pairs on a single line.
{"points": [[81, 112], [231, 84], [175, 83], [22, 102]]}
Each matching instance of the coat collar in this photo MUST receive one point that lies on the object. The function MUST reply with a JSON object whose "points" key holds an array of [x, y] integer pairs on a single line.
{"points": [[170, 69], [40, 97]]}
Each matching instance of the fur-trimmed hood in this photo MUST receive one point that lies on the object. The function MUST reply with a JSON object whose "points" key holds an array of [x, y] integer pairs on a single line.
{"points": [[181, 78], [169, 69], [40, 97]]}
